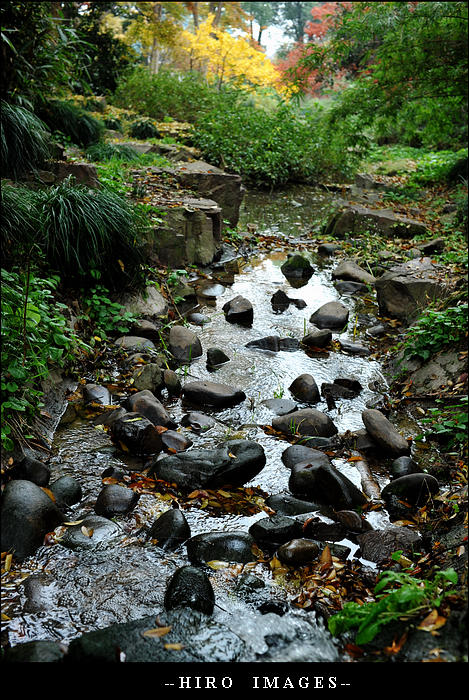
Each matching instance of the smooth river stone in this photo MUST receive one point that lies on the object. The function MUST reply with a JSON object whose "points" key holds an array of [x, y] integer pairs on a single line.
{"points": [[384, 433], [213, 394], [307, 421]]}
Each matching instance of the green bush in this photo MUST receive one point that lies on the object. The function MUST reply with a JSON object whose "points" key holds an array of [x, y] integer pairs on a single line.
{"points": [[25, 141], [72, 121], [79, 229], [113, 123], [18, 222], [35, 338], [439, 166], [434, 330], [109, 151], [143, 129]]}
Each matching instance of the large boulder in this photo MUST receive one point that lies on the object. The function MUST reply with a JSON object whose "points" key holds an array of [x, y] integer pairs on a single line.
{"points": [[307, 421], [213, 183], [28, 514], [406, 289], [357, 219], [212, 394], [190, 232], [232, 464], [384, 434]]}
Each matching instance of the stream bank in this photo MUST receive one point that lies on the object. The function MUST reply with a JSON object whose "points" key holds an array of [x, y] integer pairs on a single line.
{"points": [[264, 608]]}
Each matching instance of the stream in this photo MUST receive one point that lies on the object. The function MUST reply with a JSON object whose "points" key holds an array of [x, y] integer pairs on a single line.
{"points": [[61, 593]]}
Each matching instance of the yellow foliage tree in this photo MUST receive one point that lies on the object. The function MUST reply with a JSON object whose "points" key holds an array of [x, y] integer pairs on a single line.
{"points": [[223, 57]]}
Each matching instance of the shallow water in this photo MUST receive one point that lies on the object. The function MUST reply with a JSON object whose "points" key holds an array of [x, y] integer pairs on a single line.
{"points": [[76, 591]]}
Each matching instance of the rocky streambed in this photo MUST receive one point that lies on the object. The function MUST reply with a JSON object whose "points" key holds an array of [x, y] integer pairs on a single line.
{"points": [[221, 506]]}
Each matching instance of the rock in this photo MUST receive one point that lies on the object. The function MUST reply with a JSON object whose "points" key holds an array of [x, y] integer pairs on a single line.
{"points": [[110, 416], [198, 319], [174, 441], [331, 316], [307, 421], [209, 289], [352, 385], [384, 434], [67, 491], [220, 546], [379, 545], [84, 173], [172, 382], [350, 271], [216, 357], [415, 489], [350, 288], [239, 310], [189, 234], [216, 184], [190, 587], [114, 499], [402, 466], [325, 484], [148, 378], [298, 552], [232, 464], [408, 288], [305, 389], [184, 344], [280, 407], [273, 343], [285, 504], [198, 422], [275, 607], [299, 453], [31, 469], [39, 651], [131, 342], [88, 534], [170, 530], [318, 338], [324, 532], [297, 267], [354, 348], [437, 245], [376, 331], [212, 394], [146, 329], [150, 303], [328, 249], [275, 530], [280, 302], [438, 371], [357, 219], [146, 404], [137, 434], [352, 521], [94, 393], [336, 391], [27, 514]]}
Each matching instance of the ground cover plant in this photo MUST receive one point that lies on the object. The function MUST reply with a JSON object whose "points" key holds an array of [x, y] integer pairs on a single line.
{"points": [[25, 142]]}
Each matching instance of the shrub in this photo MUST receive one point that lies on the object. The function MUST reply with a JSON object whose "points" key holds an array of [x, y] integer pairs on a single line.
{"points": [[109, 151], [434, 330], [35, 338], [25, 141], [18, 222], [72, 121], [143, 129]]}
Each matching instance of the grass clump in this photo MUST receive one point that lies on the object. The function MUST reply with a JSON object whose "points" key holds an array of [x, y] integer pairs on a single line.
{"points": [[143, 129], [71, 121], [109, 151], [25, 141]]}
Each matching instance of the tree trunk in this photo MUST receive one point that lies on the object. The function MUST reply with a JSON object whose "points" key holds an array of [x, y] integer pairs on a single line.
{"points": [[155, 49]]}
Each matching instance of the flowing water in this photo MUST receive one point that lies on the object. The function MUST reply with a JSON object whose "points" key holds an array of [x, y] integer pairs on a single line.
{"points": [[67, 592]]}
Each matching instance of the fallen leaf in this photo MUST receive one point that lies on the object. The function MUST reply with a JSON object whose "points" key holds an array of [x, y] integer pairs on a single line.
{"points": [[156, 632], [216, 564], [432, 622], [86, 532], [174, 647]]}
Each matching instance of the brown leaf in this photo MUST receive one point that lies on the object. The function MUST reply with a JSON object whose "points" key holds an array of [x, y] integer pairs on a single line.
{"points": [[432, 622], [156, 632]]}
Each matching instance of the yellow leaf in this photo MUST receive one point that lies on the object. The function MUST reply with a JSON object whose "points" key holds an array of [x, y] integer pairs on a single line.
{"points": [[156, 632], [217, 564], [432, 622], [174, 647], [86, 532], [8, 559], [121, 265], [74, 522]]}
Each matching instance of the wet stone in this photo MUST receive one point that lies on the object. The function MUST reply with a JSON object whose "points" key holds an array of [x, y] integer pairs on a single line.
{"points": [[384, 434], [88, 534], [114, 499], [67, 491], [307, 421], [297, 267], [298, 552], [198, 319], [190, 587], [215, 357], [354, 348], [271, 532], [326, 484], [285, 504], [403, 466], [379, 545], [149, 377], [350, 288], [318, 338], [333, 315], [40, 651], [296, 454], [280, 407], [352, 521], [31, 469], [220, 546], [94, 393], [325, 532], [172, 382], [305, 389], [146, 403], [132, 342], [198, 422], [239, 310], [137, 434], [170, 530], [174, 441], [416, 489], [212, 394]]}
